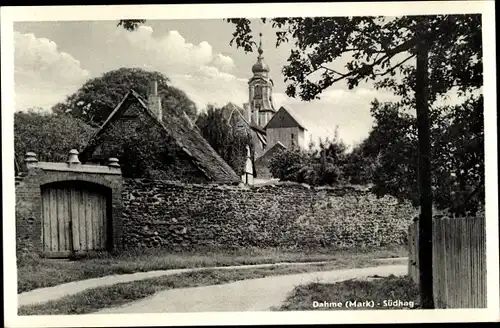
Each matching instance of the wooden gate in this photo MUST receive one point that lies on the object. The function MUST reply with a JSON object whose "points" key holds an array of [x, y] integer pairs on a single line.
{"points": [[75, 218]]}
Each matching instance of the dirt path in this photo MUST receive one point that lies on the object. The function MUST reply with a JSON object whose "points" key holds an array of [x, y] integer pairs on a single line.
{"points": [[47, 294], [245, 295]]}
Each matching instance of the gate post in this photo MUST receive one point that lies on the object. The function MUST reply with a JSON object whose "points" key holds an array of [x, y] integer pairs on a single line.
{"points": [[30, 160], [30, 203]]}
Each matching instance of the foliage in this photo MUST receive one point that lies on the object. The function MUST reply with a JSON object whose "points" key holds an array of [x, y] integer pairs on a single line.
{"points": [[390, 151], [382, 50], [359, 169], [390, 154], [49, 136], [379, 49], [131, 24], [459, 153], [286, 164], [97, 98], [372, 42], [316, 166], [388, 157], [224, 133]]}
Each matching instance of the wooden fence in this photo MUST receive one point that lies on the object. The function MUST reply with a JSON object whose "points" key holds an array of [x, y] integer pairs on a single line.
{"points": [[459, 261]]}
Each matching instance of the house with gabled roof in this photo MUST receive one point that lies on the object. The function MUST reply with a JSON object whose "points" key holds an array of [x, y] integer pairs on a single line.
{"points": [[194, 161], [285, 127]]}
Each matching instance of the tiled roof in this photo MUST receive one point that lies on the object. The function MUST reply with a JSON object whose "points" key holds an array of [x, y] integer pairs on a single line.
{"points": [[238, 111], [187, 138], [287, 112]]}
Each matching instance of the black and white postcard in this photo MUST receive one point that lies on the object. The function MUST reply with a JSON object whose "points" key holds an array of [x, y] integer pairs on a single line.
{"points": [[257, 163]]}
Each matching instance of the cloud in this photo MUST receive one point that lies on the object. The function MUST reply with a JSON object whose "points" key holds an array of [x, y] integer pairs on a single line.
{"points": [[224, 63], [203, 74], [210, 86], [43, 75]]}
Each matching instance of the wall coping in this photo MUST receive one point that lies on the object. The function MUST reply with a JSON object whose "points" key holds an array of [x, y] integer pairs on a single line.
{"points": [[79, 168], [277, 184]]}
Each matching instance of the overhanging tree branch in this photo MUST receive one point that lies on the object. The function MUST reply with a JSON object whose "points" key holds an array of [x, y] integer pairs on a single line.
{"points": [[396, 66], [362, 71], [334, 71]]}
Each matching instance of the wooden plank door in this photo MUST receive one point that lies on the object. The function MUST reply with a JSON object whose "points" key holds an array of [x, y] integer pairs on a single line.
{"points": [[56, 235], [89, 218], [74, 220]]}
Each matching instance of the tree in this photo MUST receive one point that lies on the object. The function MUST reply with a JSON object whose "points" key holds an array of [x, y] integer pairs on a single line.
{"points": [[293, 164], [389, 155], [49, 136], [372, 42], [97, 98], [323, 165], [220, 129]]}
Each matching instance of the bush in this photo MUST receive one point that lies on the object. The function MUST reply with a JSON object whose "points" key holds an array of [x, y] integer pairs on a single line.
{"points": [[315, 166], [290, 165]]}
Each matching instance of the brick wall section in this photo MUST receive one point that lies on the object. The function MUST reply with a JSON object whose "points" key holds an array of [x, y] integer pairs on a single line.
{"points": [[173, 215], [29, 203]]}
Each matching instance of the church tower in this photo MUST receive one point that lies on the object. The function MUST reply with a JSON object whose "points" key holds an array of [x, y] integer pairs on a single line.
{"points": [[260, 91]]}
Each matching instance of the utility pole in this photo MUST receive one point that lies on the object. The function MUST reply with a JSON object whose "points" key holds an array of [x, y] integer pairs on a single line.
{"points": [[424, 173]]}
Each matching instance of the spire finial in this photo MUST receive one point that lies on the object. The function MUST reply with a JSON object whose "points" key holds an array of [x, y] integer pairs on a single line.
{"points": [[260, 45], [260, 67]]}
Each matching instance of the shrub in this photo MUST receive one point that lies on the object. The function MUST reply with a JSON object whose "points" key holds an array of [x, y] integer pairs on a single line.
{"points": [[289, 164]]}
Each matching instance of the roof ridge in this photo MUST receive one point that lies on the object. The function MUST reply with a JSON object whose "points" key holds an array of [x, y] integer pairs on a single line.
{"points": [[292, 114], [178, 126]]}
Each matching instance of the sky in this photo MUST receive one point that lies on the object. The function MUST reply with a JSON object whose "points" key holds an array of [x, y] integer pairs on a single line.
{"points": [[53, 59]]}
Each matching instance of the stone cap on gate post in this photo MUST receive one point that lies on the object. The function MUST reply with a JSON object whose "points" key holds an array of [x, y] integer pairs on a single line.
{"points": [[73, 158], [113, 164], [30, 160], [73, 164]]}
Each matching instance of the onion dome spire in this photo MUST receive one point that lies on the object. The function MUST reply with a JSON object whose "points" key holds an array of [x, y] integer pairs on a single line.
{"points": [[260, 66]]}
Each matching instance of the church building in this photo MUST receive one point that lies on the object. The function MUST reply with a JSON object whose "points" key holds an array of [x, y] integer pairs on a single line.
{"points": [[280, 129], [260, 92]]}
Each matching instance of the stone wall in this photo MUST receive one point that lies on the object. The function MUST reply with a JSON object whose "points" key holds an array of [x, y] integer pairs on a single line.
{"points": [[287, 215]]}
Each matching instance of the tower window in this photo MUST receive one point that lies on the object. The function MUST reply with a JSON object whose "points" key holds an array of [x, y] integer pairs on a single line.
{"points": [[293, 139], [258, 91]]}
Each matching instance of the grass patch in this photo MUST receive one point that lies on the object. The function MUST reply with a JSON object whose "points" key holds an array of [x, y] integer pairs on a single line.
{"points": [[34, 272], [385, 293], [95, 299]]}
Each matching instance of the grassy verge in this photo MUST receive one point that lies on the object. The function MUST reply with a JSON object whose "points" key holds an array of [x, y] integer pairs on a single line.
{"points": [[389, 293], [95, 299], [34, 272]]}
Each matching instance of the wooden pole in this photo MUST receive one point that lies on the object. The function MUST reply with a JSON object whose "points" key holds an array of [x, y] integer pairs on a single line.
{"points": [[424, 163]]}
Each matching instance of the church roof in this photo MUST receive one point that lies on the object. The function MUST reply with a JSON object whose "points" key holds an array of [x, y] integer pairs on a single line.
{"points": [[236, 110], [278, 146], [285, 117], [260, 66], [187, 138]]}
